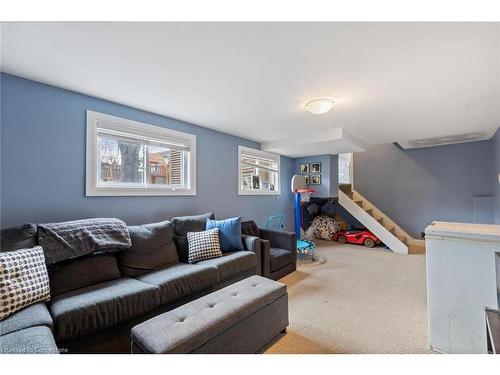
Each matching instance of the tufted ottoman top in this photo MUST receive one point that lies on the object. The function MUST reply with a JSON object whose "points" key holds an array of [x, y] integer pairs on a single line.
{"points": [[189, 326]]}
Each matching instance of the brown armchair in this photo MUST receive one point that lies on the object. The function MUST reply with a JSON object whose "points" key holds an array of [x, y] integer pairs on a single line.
{"points": [[278, 250]]}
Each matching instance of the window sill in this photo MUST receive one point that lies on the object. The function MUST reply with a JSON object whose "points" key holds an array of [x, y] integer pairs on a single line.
{"points": [[260, 193], [131, 192]]}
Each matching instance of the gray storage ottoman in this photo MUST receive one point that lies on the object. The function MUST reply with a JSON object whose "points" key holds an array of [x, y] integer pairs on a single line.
{"points": [[240, 318]]}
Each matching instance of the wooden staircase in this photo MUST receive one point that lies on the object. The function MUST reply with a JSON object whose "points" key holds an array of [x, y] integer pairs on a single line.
{"points": [[391, 234]]}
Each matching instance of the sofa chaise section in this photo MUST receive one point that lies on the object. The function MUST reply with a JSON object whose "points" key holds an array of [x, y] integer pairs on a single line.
{"points": [[32, 340], [83, 311], [29, 331], [31, 316]]}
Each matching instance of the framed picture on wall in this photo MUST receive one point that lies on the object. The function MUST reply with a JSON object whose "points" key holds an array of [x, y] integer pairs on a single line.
{"points": [[308, 179], [315, 167], [316, 179], [246, 183], [304, 168], [255, 182]]}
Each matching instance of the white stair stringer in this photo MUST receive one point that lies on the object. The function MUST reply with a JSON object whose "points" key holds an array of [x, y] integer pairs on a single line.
{"points": [[389, 239]]}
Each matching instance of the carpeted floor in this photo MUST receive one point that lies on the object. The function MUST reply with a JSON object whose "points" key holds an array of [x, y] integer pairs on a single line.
{"points": [[356, 300]]}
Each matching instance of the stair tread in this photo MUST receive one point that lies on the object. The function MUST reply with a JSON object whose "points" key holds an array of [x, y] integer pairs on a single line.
{"points": [[386, 222]]}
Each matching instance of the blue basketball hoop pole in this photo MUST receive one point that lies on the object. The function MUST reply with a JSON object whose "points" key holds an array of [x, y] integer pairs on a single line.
{"points": [[298, 214], [304, 246]]}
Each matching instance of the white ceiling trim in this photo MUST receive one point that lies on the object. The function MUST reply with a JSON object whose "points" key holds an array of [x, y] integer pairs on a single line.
{"points": [[334, 141]]}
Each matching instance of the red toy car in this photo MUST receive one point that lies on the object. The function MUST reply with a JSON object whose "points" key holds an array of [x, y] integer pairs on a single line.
{"points": [[359, 237]]}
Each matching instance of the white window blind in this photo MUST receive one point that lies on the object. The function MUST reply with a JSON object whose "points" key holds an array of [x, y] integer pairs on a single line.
{"points": [[126, 157]]}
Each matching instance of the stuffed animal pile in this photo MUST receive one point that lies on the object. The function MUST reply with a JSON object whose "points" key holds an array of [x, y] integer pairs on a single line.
{"points": [[322, 227]]}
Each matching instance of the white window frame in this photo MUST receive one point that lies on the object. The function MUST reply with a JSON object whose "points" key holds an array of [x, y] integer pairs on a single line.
{"points": [[241, 150], [96, 121]]}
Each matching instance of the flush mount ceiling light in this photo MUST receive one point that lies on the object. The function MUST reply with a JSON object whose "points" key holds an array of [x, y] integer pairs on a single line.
{"points": [[319, 106]]}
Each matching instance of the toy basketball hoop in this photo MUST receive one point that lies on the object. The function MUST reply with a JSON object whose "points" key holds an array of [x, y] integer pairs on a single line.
{"points": [[302, 194], [305, 194], [299, 186]]}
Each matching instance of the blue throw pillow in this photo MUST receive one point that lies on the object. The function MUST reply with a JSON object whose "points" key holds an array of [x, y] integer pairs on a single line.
{"points": [[229, 233]]}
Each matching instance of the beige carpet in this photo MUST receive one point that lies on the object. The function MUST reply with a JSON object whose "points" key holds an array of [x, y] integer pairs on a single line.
{"points": [[356, 300]]}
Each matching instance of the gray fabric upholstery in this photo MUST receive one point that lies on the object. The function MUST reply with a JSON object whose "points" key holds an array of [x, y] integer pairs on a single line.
{"points": [[232, 263], [15, 238], [83, 272], [33, 340], [116, 339], [73, 239], [251, 334], [181, 280], [85, 310], [252, 244], [195, 223], [89, 316], [31, 316], [234, 279], [279, 258], [196, 323], [185, 224], [280, 239], [265, 248], [282, 272], [276, 268], [250, 228], [152, 248]]}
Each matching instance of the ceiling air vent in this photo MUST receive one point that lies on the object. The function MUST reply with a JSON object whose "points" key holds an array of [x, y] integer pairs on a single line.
{"points": [[439, 141]]}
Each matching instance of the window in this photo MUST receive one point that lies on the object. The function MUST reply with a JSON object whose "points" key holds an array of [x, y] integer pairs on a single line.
{"points": [[126, 157], [258, 172]]}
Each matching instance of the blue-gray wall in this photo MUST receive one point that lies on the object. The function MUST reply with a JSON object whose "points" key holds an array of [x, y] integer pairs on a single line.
{"points": [[43, 164], [415, 187], [329, 174], [496, 172]]}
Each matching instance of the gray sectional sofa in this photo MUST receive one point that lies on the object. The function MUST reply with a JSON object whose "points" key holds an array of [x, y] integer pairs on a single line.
{"points": [[97, 299]]}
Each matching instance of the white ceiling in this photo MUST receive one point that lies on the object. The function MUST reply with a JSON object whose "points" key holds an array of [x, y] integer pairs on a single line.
{"points": [[391, 81]]}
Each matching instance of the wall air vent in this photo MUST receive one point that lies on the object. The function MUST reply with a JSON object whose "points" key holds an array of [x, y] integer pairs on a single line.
{"points": [[440, 141]]}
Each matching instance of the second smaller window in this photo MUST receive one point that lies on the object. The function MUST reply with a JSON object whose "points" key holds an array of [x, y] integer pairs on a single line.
{"points": [[259, 172]]}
